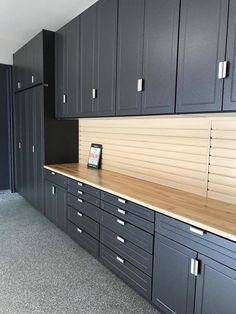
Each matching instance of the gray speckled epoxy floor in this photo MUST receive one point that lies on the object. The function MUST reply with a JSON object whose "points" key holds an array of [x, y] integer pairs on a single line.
{"points": [[43, 271]]}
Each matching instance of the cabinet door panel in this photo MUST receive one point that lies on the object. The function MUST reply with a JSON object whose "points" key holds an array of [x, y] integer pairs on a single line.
{"points": [[106, 57], [230, 82], [130, 54], [36, 53], [216, 288], [61, 207], [60, 75], [50, 195], [87, 60], [72, 67], [173, 284], [160, 56], [202, 46]]}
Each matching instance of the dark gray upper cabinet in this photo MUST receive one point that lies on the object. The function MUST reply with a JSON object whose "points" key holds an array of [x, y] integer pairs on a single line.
{"points": [[229, 102], [203, 28], [30, 61], [130, 55], [215, 289], [105, 82], [87, 61], [160, 56], [173, 283]]}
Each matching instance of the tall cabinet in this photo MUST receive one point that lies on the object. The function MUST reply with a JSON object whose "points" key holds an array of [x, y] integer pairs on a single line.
{"points": [[40, 138]]}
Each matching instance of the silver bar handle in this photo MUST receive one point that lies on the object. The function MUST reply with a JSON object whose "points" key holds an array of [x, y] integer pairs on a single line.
{"points": [[80, 184], [119, 259], [80, 192], [140, 85], [53, 190], [64, 99], [53, 173], [19, 145], [120, 239], [18, 84], [197, 231], [194, 267], [121, 211], [33, 148], [79, 230], [79, 200], [32, 78], [121, 200], [79, 214], [222, 72], [121, 222], [94, 93]]}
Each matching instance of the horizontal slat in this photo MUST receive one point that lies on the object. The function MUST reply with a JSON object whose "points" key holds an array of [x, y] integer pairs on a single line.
{"points": [[228, 144], [225, 153], [222, 197], [222, 134], [224, 125], [220, 188], [223, 180], [223, 162], [228, 172]]}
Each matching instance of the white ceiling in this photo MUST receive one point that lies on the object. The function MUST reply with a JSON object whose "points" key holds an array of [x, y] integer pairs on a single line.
{"points": [[20, 20]]}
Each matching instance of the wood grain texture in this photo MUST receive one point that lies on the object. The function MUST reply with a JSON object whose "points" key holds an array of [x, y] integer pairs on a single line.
{"points": [[208, 214]]}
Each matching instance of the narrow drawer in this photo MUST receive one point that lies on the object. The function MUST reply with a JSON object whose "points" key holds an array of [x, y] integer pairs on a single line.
{"points": [[84, 207], [130, 252], [138, 210], [84, 187], [84, 196], [199, 240], [128, 217], [83, 239], [56, 178], [83, 222], [131, 233], [126, 271]]}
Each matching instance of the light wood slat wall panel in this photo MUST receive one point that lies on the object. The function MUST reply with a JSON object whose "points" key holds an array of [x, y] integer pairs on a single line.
{"points": [[222, 165], [168, 151]]}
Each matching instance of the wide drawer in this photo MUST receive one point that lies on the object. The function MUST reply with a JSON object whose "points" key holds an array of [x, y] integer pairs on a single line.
{"points": [[128, 216], [128, 206], [84, 187], [84, 196], [199, 240], [129, 232], [130, 252], [129, 273], [56, 178], [83, 239], [83, 222], [84, 207]]}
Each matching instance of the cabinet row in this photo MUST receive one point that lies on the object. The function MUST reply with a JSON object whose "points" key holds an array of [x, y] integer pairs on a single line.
{"points": [[125, 57], [177, 267]]}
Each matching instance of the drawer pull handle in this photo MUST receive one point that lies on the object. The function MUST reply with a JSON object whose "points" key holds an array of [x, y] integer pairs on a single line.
{"points": [[121, 200], [194, 267], [121, 222], [79, 214], [53, 173], [80, 192], [197, 231], [119, 259], [80, 184], [121, 211], [120, 239], [79, 200], [53, 190], [79, 230]]}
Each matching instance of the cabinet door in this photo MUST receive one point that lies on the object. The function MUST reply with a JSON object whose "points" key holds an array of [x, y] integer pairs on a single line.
{"points": [[19, 60], [107, 11], [229, 102], [72, 68], [60, 72], [61, 198], [50, 195], [173, 283], [130, 54], [216, 288], [35, 52], [160, 56], [87, 61], [201, 48]]}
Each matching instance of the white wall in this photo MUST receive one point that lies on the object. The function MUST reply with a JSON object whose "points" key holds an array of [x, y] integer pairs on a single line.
{"points": [[7, 48]]}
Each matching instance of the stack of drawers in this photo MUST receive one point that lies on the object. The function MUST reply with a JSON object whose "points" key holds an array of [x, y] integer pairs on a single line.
{"points": [[83, 214], [126, 241]]}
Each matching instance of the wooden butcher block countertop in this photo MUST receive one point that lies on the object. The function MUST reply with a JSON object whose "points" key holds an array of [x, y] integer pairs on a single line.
{"points": [[208, 214]]}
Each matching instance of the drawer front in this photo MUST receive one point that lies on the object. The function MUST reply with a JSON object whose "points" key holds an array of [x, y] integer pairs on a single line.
{"points": [[83, 222], [129, 217], [130, 274], [204, 242], [130, 252], [84, 196], [83, 239], [84, 187], [128, 206], [84, 207], [129, 232], [56, 178]]}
